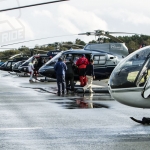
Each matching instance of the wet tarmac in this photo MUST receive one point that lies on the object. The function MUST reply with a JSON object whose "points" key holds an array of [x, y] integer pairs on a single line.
{"points": [[33, 117]]}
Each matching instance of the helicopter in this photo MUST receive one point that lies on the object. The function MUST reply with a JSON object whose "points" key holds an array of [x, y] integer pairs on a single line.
{"points": [[129, 82], [15, 68], [7, 66], [105, 55], [117, 47], [45, 57], [41, 58], [104, 63]]}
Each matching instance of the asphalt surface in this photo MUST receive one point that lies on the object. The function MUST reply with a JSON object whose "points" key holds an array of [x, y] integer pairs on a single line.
{"points": [[33, 117]]}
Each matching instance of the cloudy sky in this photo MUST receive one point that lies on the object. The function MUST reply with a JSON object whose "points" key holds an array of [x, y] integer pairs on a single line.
{"points": [[70, 18]]}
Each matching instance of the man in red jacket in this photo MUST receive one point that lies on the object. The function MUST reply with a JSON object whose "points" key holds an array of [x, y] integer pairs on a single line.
{"points": [[82, 62]]}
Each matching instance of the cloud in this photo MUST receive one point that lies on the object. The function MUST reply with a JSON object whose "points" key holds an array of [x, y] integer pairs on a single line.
{"points": [[79, 20], [127, 15], [72, 20], [43, 13]]}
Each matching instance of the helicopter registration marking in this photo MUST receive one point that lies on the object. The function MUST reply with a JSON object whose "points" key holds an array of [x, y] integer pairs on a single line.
{"points": [[113, 46]]}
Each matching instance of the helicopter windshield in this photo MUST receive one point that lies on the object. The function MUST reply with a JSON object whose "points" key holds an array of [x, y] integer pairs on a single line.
{"points": [[54, 59], [30, 59], [17, 55], [128, 71]]}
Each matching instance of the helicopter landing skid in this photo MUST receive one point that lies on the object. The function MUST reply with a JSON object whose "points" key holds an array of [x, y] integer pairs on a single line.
{"points": [[143, 121]]}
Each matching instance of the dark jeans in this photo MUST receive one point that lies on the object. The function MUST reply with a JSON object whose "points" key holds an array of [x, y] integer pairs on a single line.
{"points": [[82, 71], [70, 80], [61, 83]]}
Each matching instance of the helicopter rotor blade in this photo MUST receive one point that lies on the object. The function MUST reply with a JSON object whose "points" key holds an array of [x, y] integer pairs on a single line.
{"points": [[40, 50], [8, 48], [72, 45], [123, 33], [37, 39], [32, 5], [87, 33]]}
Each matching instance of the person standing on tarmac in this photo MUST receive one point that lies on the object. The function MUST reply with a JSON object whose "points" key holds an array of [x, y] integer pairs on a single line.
{"points": [[70, 75], [40, 63], [90, 76], [31, 70], [35, 69], [60, 69], [82, 62]]}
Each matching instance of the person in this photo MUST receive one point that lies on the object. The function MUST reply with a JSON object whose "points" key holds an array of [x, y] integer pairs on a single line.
{"points": [[70, 75], [82, 62], [31, 70], [35, 62], [40, 63], [44, 62], [90, 76], [60, 69]]}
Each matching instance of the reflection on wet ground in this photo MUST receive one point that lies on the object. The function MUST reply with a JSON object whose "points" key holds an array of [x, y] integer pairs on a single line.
{"points": [[76, 100], [79, 104], [5, 75], [83, 102]]}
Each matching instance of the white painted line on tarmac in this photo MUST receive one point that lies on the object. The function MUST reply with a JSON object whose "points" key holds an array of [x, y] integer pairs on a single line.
{"points": [[34, 128]]}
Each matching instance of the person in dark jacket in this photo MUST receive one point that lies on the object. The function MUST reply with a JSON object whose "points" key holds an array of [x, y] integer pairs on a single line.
{"points": [[90, 76], [60, 69], [39, 63], [70, 75]]}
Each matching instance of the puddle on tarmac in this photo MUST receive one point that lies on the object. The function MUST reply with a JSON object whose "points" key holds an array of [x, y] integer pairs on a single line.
{"points": [[81, 104], [78, 101]]}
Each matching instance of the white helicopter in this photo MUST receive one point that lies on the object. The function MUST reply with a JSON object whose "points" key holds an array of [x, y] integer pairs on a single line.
{"points": [[129, 82]]}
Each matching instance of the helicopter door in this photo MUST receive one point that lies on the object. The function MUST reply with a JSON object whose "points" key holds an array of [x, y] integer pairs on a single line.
{"points": [[144, 79], [9, 66], [146, 91], [99, 64]]}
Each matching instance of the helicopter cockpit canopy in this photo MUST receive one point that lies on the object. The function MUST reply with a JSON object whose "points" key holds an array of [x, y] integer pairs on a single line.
{"points": [[54, 59], [132, 71], [17, 56]]}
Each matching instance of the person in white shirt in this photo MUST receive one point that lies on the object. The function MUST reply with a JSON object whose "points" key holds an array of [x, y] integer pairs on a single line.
{"points": [[31, 70]]}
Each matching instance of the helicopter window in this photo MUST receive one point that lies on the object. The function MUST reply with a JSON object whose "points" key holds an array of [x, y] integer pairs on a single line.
{"points": [[54, 59], [144, 74], [75, 57], [67, 57], [4, 64], [30, 59], [88, 47], [97, 47], [96, 58], [99, 60], [13, 63], [9, 64], [96, 62]]}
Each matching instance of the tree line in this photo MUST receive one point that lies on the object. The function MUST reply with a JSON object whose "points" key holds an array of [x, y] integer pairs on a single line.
{"points": [[132, 42]]}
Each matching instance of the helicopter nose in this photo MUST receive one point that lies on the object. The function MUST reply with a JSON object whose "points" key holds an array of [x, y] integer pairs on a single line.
{"points": [[46, 71], [42, 71]]}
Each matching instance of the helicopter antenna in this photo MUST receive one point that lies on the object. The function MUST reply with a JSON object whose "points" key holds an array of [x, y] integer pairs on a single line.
{"points": [[32, 5]]}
